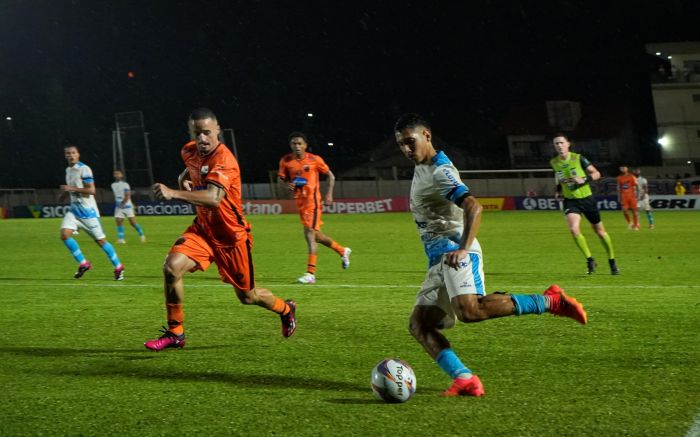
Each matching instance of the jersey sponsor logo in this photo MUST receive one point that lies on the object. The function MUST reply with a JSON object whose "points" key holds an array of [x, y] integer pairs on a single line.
{"points": [[204, 169]]}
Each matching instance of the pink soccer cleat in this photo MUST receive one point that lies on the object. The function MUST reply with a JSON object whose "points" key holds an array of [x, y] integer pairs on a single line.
{"points": [[82, 268], [465, 387], [565, 306], [168, 339], [289, 322], [119, 273]]}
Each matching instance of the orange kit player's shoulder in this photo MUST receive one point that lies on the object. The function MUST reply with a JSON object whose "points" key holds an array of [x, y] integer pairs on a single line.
{"points": [[188, 150], [319, 163]]}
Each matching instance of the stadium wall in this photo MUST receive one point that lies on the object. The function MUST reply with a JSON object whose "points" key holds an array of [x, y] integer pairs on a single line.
{"points": [[370, 205]]}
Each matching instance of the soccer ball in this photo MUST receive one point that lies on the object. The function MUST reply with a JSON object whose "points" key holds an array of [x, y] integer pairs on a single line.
{"points": [[393, 380]]}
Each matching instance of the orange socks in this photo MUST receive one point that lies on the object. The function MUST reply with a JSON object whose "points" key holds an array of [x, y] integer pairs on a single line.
{"points": [[311, 264], [280, 307], [338, 248], [175, 318]]}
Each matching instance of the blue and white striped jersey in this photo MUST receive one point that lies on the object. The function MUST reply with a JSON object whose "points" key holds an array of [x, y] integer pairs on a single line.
{"points": [[436, 191], [81, 205]]}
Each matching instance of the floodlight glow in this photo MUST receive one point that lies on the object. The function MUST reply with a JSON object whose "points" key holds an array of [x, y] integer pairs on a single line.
{"points": [[658, 53], [331, 144], [663, 141], [689, 162], [8, 118], [309, 115], [669, 57]]}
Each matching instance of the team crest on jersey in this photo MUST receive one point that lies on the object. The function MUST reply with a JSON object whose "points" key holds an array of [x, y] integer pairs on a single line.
{"points": [[306, 168], [204, 169]]}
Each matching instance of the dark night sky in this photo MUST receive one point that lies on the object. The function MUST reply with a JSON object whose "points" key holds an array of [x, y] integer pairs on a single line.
{"points": [[262, 65]]}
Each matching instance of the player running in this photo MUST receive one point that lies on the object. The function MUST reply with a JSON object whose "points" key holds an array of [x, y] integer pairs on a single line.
{"points": [[300, 170], [83, 214], [123, 207], [448, 217], [627, 194], [573, 173], [220, 233], [643, 201]]}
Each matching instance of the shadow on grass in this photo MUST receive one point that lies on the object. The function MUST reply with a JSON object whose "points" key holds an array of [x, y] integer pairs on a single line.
{"points": [[346, 401], [112, 369], [136, 353], [247, 380]]}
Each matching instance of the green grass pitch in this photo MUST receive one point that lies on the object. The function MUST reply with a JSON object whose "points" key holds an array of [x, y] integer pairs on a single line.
{"points": [[72, 360]]}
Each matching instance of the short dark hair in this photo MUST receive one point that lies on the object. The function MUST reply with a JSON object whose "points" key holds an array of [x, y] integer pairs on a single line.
{"points": [[560, 134], [71, 146], [411, 120], [202, 114], [297, 134]]}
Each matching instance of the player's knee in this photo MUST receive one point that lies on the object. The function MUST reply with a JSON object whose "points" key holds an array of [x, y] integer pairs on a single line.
{"points": [[246, 298], [469, 314], [414, 328], [171, 273]]}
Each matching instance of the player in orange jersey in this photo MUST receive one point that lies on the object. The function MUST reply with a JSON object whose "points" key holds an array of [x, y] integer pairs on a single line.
{"points": [[300, 171], [627, 197], [220, 233]]}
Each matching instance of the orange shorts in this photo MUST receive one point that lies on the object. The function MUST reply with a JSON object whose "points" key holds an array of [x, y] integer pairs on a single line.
{"points": [[235, 263], [310, 214], [629, 202]]}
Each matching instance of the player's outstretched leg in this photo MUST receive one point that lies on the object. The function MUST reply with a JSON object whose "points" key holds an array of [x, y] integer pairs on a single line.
{"points": [[264, 298]]}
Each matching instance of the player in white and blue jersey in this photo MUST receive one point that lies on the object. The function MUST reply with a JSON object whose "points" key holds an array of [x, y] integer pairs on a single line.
{"points": [[448, 217], [123, 207], [83, 214]]}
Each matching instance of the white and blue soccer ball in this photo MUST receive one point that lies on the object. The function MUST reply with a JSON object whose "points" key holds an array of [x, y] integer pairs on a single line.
{"points": [[393, 380]]}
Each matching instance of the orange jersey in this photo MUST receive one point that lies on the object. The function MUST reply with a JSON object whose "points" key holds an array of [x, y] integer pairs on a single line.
{"points": [[225, 224], [303, 173], [626, 185]]}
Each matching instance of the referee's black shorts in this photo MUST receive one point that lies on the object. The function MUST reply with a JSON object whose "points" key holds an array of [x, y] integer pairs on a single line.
{"points": [[586, 206]]}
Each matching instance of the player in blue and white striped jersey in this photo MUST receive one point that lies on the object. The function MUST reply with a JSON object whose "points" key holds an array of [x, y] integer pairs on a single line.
{"points": [[124, 207], [448, 217], [83, 214]]}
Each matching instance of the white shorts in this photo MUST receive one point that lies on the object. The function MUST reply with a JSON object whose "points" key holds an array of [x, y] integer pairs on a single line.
{"points": [[91, 225], [123, 212], [442, 283], [644, 203]]}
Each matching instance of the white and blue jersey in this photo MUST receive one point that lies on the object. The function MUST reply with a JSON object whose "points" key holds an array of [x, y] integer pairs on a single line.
{"points": [[436, 192], [120, 189], [83, 206]]}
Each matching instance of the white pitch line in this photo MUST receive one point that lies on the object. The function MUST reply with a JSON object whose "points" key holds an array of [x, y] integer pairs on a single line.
{"points": [[694, 430], [370, 286]]}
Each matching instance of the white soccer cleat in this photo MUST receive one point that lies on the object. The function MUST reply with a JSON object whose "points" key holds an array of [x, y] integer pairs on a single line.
{"points": [[346, 257], [121, 241], [143, 238], [308, 278]]}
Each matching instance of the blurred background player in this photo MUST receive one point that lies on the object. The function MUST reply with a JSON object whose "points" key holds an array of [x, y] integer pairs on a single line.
{"points": [[300, 171], [80, 188], [643, 199], [679, 188], [220, 233], [627, 195], [123, 207], [572, 173], [448, 217]]}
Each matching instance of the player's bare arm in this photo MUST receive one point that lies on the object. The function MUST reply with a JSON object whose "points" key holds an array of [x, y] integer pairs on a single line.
{"points": [[331, 184], [211, 197], [183, 181], [89, 188], [281, 181], [593, 172], [472, 220]]}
